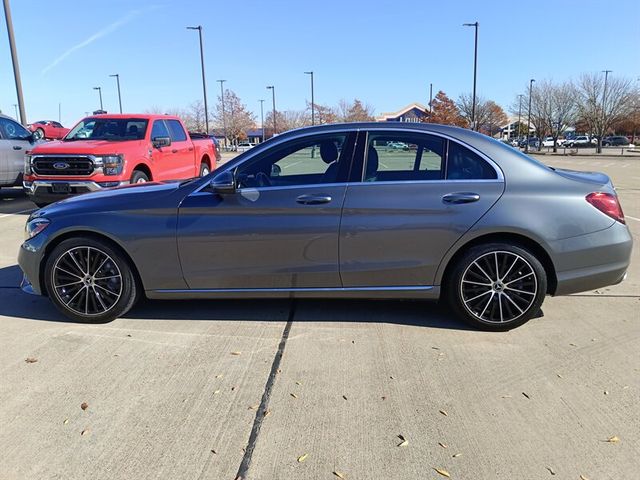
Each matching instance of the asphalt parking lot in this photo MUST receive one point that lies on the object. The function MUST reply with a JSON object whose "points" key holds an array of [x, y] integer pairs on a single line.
{"points": [[321, 389]]}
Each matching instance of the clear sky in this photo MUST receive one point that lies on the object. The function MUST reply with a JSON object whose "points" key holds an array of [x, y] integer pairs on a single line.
{"points": [[384, 52]]}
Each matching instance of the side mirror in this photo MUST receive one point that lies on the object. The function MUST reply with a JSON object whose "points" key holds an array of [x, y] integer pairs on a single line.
{"points": [[159, 142], [276, 170], [224, 183]]}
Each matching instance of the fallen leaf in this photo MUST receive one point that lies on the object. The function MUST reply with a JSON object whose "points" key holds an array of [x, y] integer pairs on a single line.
{"points": [[293, 395], [353, 341], [436, 348], [444, 412], [236, 353], [302, 458], [344, 396], [267, 413], [279, 370], [456, 455], [84, 405], [613, 439], [213, 451], [403, 441], [253, 407], [66, 420], [573, 344], [443, 445], [559, 376], [129, 335], [339, 475], [298, 383], [384, 398], [84, 432], [234, 388], [582, 477], [443, 472], [31, 360], [216, 392], [391, 377], [506, 396], [625, 387], [606, 392], [551, 470], [219, 376], [523, 393]]}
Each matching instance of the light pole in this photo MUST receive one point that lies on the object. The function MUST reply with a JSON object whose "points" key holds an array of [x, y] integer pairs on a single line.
{"points": [[118, 82], [604, 109], [14, 59], [15, 105], [519, 114], [262, 117], [430, 100], [59, 112], [273, 97], [526, 147], [204, 83], [99, 93], [475, 70], [224, 118], [313, 116]]}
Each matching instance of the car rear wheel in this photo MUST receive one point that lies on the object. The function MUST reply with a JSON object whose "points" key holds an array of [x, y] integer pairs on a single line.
{"points": [[496, 286], [38, 134], [89, 281], [139, 177], [204, 170]]}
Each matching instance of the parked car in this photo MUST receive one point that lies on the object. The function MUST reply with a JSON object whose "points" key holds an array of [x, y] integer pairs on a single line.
{"points": [[47, 130], [615, 140], [244, 146], [397, 146], [533, 142], [323, 212], [547, 142], [579, 141], [15, 141], [106, 151]]}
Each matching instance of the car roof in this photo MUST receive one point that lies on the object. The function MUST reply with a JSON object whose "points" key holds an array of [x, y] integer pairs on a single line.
{"points": [[146, 116]]}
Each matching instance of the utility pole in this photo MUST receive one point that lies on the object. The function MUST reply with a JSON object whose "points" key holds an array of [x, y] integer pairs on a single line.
{"points": [[99, 93], [430, 100], [604, 109], [15, 105], [519, 114], [14, 59], [59, 112], [313, 117], [273, 97], [224, 118], [526, 147], [475, 70], [204, 83], [262, 117], [117, 76]]}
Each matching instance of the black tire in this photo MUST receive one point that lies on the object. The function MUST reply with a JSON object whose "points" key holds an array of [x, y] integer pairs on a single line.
{"points": [[139, 176], [204, 169], [515, 294], [38, 134], [88, 296]]}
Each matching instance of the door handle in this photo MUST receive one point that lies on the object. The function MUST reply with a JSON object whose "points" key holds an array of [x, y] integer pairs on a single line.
{"points": [[17, 147], [313, 199], [175, 150], [460, 197], [191, 149]]}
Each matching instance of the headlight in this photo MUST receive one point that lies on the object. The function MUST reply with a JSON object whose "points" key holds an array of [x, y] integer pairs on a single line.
{"points": [[27, 165], [111, 164], [35, 226]]}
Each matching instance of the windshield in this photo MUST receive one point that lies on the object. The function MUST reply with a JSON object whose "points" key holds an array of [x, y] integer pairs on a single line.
{"points": [[114, 129]]}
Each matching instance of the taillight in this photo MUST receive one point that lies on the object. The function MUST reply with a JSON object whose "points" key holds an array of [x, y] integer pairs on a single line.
{"points": [[607, 204]]}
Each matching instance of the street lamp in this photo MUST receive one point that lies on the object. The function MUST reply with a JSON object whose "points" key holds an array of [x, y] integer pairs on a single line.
{"points": [[224, 118], [430, 100], [204, 83], [100, 93], [15, 105], [604, 108], [273, 97], [526, 147], [519, 114], [262, 117], [475, 69], [117, 76], [14, 60], [313, 117]]}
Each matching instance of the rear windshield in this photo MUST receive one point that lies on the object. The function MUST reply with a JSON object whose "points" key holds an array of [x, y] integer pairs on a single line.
{"points": [[113, 129]]}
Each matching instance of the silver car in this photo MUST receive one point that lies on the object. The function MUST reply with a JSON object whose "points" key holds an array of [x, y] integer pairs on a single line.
{"points": [[329, 211], [15, 140]]}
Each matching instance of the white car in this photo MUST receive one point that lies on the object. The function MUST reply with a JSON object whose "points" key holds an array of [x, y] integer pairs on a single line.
{"points": [[579, 141], [244, 146], [547, 142], [15, 140]]}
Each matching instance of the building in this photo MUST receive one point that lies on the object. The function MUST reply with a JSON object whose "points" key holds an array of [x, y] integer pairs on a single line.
{"points": [[413, 112]]}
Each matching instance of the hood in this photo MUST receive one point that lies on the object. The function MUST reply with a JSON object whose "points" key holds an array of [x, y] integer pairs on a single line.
{"points": [[139, 196], [88, 147]]}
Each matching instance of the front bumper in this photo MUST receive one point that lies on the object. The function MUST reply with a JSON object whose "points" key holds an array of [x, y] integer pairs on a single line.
{"points": [[46, 191], [30, 259]]}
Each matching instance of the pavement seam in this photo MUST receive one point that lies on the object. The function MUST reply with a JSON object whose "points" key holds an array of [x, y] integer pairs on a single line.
{"points": [[266, 396]]}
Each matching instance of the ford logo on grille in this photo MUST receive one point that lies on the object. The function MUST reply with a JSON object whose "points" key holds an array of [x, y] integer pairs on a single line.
{"points": [[61, 165]]}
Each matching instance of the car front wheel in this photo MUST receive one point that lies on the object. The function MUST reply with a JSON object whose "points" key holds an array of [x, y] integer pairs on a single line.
{"points": [[90, 281], [496, 286]]}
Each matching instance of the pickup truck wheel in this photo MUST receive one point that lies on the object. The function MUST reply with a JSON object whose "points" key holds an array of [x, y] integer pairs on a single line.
{"points": [[204, 170], [89, 281], [139, 177]]}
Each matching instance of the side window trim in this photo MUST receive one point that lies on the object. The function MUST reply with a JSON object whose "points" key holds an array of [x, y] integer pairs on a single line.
{"points": [[160, 121]]}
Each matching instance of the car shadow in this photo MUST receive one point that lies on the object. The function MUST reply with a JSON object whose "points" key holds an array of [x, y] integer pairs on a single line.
{"points": [[15, 201], [17, 304]]}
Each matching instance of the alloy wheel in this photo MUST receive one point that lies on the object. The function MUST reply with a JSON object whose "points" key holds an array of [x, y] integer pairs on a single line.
{"points": [[87, 281], [498, 287]]}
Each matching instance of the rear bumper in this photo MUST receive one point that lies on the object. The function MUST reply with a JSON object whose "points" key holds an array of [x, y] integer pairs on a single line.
{"points": [[592, 261], [42, 191]]}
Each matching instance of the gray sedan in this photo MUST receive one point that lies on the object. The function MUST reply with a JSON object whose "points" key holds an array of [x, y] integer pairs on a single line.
{"points": [[329, 211]]}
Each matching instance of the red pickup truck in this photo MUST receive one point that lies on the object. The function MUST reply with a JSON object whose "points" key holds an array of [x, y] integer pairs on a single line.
{"points": [[104, 151]]}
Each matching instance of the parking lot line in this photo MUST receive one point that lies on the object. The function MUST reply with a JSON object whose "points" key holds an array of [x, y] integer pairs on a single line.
{"points": [[17, 213], [632, 218]]}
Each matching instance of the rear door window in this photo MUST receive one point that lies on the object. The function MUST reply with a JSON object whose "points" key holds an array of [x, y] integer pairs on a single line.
{"points": [[463, 164]]}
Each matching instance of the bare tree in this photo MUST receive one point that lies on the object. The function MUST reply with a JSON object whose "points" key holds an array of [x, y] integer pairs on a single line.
{"points": [[561, 108], [489, 115], [599, 108], [236, 116], [355, 111]]}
